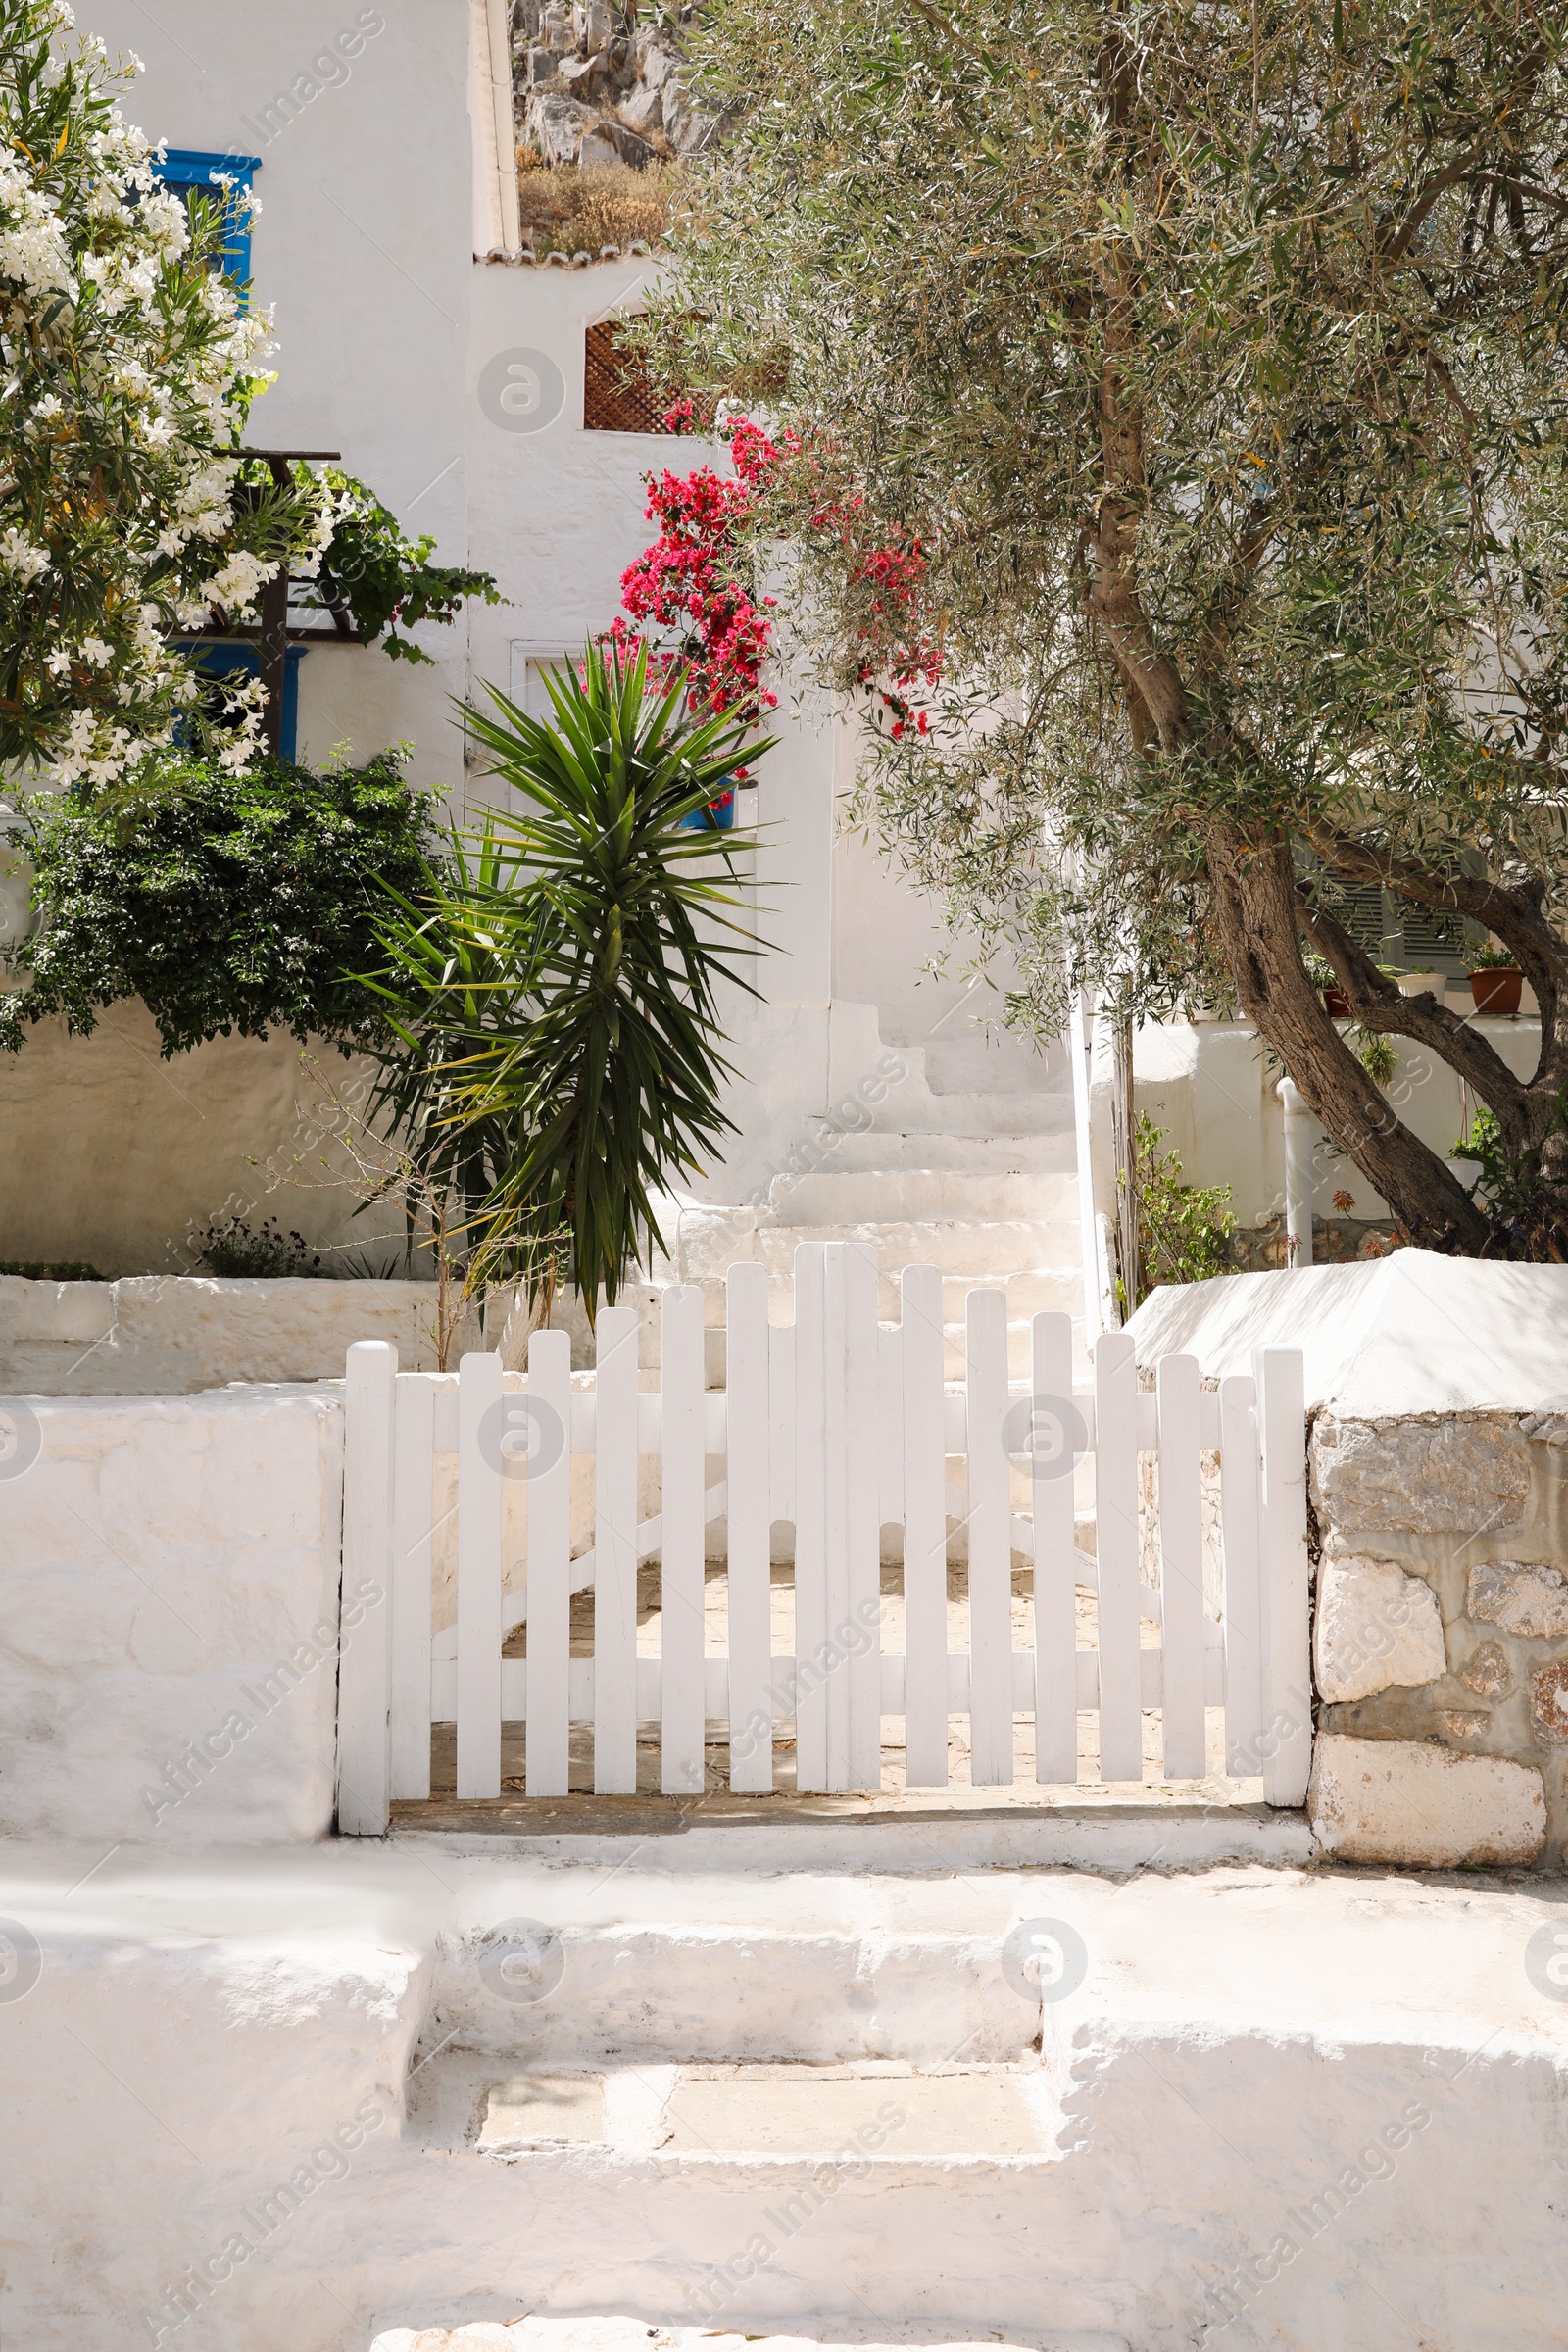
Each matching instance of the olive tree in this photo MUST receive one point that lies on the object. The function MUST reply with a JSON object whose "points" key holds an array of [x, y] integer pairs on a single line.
{"points": [[1183, 388]]}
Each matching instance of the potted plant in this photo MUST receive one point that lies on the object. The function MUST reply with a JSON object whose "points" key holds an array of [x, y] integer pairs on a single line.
{"points": [[1496, 980], [717, 816], [1321, 973]]}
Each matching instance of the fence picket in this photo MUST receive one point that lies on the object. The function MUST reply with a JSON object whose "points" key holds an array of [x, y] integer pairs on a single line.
{"points": [[834, 1655], [926, 1532], [1282, 1552], [889, 1425], [547, 1765], [479, 1498], [781, 1421], [412, 1473], [990, 1542], [1051, 1412], [810, 1517], [1240, 1469], [364, 1738], [682, 1601], [856, 1634], [1122, 1736], [615, 1555], [1180, 1569], [747, 1353]]}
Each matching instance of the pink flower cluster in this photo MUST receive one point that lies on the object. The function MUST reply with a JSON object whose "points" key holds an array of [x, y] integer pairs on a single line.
{"points": [[687, 583]]}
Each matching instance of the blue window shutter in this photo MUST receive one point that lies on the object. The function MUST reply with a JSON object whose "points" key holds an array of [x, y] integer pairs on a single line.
{"points": [[198, 170], [215, 660]]}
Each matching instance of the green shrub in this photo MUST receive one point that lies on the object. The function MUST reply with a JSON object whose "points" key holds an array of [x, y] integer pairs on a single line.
{"points": [[227, 903], [68, 1270], [1527, 1210], [1183, 1229], [231, 1248]]}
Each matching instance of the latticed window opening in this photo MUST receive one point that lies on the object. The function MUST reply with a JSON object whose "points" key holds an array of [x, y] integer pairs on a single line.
{"points": [[618, 394]]}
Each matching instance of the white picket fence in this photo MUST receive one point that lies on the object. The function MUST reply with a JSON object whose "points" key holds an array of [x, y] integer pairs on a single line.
{"points": [[839, 1424]]}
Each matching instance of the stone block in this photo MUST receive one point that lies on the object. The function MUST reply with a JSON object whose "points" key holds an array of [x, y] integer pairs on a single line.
{"points": [[1522, 1598], [555, 127], [582, 76], [1403, 1801], [169, 1620], [610, 142], [594, 26], [1464, 1723], [1486, 1670], [658, 66], [1419, 1478], [1549, 1704], [689, 128], [1374, 1627], [643, 112]]}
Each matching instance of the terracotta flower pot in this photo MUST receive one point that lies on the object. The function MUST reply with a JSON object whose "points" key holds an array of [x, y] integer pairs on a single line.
{"points": [[1498, 990], [1336, 1003]]}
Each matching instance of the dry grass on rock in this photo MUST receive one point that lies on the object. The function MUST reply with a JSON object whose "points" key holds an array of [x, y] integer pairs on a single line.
{"points": [[568, 210]]}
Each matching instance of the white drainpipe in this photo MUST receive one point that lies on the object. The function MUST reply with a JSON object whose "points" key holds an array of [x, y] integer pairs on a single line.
{"points": [[1300, 1126], [1078, 1033]]}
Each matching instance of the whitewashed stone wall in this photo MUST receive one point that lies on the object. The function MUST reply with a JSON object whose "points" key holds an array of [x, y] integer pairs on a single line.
{"points": [[169, 1573], [1441, 1637], [166, 1335]]}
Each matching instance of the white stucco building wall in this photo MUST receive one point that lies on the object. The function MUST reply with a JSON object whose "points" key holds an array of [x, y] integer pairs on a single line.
{"points": [[1210, 1086], [360, 250]]}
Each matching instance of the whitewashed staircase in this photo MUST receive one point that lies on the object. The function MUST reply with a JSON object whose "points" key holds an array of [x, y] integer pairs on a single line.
{"points": [[984, 1207], [874, 2106], [825, 2106]]}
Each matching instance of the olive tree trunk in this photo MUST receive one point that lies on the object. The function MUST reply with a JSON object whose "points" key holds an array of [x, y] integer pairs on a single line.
{"points": [[1259, 911]]}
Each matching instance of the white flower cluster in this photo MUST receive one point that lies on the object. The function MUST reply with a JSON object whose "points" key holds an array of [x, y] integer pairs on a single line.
{"points": [[20, 557], [33, 253], [161, 363], [240, 582]]}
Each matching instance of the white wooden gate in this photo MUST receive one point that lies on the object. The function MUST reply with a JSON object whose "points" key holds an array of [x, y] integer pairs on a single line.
{"points": [[840, 1426]]}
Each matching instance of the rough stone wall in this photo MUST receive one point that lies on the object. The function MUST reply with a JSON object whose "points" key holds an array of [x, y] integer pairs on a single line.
{"points": [[1440, 1622], [594, 85]]}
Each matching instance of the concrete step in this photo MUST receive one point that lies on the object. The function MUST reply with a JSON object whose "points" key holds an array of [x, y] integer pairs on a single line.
{"points": [[981, 1251], [1068, 1299], [768, 2115], [721, 1985], [970, 1114], [617, 2332], [614, 2331], [1037, 1289], [889, 1195], [1049, 1152]]}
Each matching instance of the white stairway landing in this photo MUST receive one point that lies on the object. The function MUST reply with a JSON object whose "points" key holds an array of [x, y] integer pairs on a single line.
{"points": [[992, 1223], [369, 2094]]}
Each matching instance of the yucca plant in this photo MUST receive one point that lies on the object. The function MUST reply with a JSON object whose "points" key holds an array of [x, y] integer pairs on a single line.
{"points": [[442, 987], [575, 1021]]}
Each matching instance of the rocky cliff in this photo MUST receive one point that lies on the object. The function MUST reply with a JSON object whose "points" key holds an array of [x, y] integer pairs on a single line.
{"points": [[600, 85]]}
